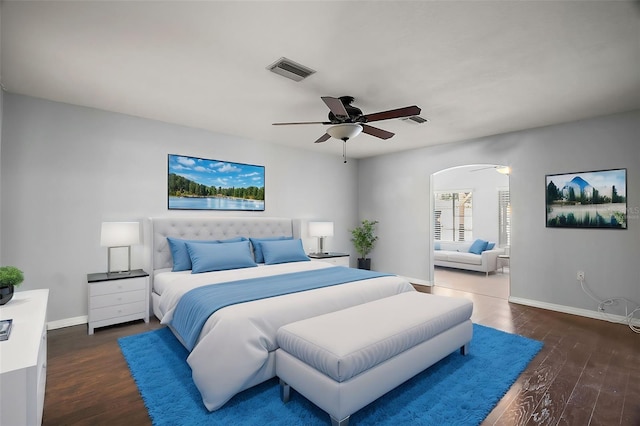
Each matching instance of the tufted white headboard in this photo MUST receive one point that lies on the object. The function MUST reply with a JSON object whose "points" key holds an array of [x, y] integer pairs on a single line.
{"points": [[210, 228]]}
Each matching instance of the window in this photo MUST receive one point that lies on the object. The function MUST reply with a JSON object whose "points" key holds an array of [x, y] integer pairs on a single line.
{"points": [[504, 218], [452, 215]]}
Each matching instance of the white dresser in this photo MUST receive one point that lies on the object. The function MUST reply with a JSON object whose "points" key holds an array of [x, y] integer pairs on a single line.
{"points": [[23, 359], [117, 298], [339, 259]]}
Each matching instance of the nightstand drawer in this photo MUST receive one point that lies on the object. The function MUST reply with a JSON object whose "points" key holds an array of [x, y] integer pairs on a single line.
{"points": [[117, 286], [117, 298], [100, 314], [340, 261]]}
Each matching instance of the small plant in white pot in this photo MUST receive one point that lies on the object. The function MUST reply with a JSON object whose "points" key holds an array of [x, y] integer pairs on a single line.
{"points": [[364, 238], [10, 277]]}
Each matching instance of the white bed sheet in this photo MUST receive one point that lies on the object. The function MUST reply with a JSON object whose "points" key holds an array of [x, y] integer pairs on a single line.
{"points": [[234, 350], [163, 278]]}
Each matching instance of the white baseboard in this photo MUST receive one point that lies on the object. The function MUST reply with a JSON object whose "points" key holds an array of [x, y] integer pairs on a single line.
{"points": [[574, 311], [67, 322]]}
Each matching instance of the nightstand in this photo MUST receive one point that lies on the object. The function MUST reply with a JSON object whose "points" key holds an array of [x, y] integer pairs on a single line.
{"points": [[118, 297], [339, 259]]}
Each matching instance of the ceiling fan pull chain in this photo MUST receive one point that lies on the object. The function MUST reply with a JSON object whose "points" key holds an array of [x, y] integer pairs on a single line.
{"points": [[344, 151]]}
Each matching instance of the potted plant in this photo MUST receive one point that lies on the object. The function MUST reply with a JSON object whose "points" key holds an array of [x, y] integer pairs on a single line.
{"points": [[10, 277], [363, 239]]}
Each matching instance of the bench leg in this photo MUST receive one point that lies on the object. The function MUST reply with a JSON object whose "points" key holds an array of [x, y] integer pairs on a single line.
{"points": [[285, 391], [343, 422], [464, 350]]}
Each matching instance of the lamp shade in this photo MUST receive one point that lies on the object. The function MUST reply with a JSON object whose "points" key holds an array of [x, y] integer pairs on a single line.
{"points": [[119, 234], [321, 229], [344, 131]]}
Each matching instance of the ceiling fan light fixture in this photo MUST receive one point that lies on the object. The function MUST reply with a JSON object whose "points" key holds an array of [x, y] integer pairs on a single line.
{"points": [[344, 131]]}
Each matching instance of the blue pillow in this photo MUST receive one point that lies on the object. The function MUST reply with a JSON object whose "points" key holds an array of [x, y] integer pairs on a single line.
{"points": [[180, 255], [257, 249], [436, 245], [478, 246], [283, 251], [206, 257], [490, 246]]}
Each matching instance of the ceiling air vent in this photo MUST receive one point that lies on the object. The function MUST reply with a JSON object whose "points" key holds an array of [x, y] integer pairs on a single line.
{"points": [[292, 70], [416, 119]]}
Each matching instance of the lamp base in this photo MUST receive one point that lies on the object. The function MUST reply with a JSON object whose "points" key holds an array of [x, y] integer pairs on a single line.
{"points": [[118, 273], [321, 246]]}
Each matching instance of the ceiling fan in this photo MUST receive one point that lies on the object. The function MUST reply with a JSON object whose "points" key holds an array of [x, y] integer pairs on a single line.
{"points": [[348, 121]]}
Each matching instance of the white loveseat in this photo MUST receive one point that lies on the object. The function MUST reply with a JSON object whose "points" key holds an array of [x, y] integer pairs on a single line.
{"points": [[455, 254]]}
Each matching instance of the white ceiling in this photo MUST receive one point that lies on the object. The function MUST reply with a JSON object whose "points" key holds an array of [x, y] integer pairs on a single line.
{"points": [[476, 68]]}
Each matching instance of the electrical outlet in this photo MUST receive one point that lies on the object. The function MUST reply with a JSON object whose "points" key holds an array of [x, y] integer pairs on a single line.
{"points": [[580, 276]]}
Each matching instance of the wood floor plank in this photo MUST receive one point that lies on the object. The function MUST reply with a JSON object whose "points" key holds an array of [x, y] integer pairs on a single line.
{"points": [[534, 388], [631, 396], [88, 380], [609, 406], [553, 401], [579, 407]]}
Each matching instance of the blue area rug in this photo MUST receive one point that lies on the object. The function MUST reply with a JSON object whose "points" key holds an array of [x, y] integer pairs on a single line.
{"points": [[459, 390]]}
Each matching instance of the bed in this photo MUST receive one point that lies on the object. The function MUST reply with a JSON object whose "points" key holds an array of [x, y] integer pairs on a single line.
{"points": [[235, 348]]}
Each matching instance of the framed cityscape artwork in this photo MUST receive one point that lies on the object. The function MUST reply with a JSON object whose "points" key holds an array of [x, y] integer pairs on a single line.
{"points": [[596, 199]]}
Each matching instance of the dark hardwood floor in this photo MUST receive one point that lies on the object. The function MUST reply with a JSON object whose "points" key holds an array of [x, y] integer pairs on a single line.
{"points": [[88, 380], [588, 372]]}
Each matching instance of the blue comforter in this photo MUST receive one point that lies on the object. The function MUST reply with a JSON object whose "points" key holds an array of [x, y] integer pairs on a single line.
{"points": [[197, 305]]}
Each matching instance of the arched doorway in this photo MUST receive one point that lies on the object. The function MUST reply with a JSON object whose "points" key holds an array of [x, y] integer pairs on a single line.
{"points": [[468, 203]]}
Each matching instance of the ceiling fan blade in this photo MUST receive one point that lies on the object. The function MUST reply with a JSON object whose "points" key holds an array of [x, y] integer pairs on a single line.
{"points": [[374, 131], [393, 113], [301, 122], [323, 138], [336, 106]]}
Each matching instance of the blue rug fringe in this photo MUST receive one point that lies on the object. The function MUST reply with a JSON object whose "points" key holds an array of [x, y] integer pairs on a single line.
{"points": [[458, 390]]}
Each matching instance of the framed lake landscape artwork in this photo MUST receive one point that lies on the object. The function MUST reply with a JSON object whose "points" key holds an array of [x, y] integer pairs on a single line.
{"points": [[595, 199], [202, 184]]}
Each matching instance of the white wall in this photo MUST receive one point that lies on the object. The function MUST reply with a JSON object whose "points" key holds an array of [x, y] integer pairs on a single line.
{"points": [[394, 189], [66, 168], [485, 182]]}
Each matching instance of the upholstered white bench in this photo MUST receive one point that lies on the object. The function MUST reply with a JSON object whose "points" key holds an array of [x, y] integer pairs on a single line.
{"points": [[344, 360]]}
